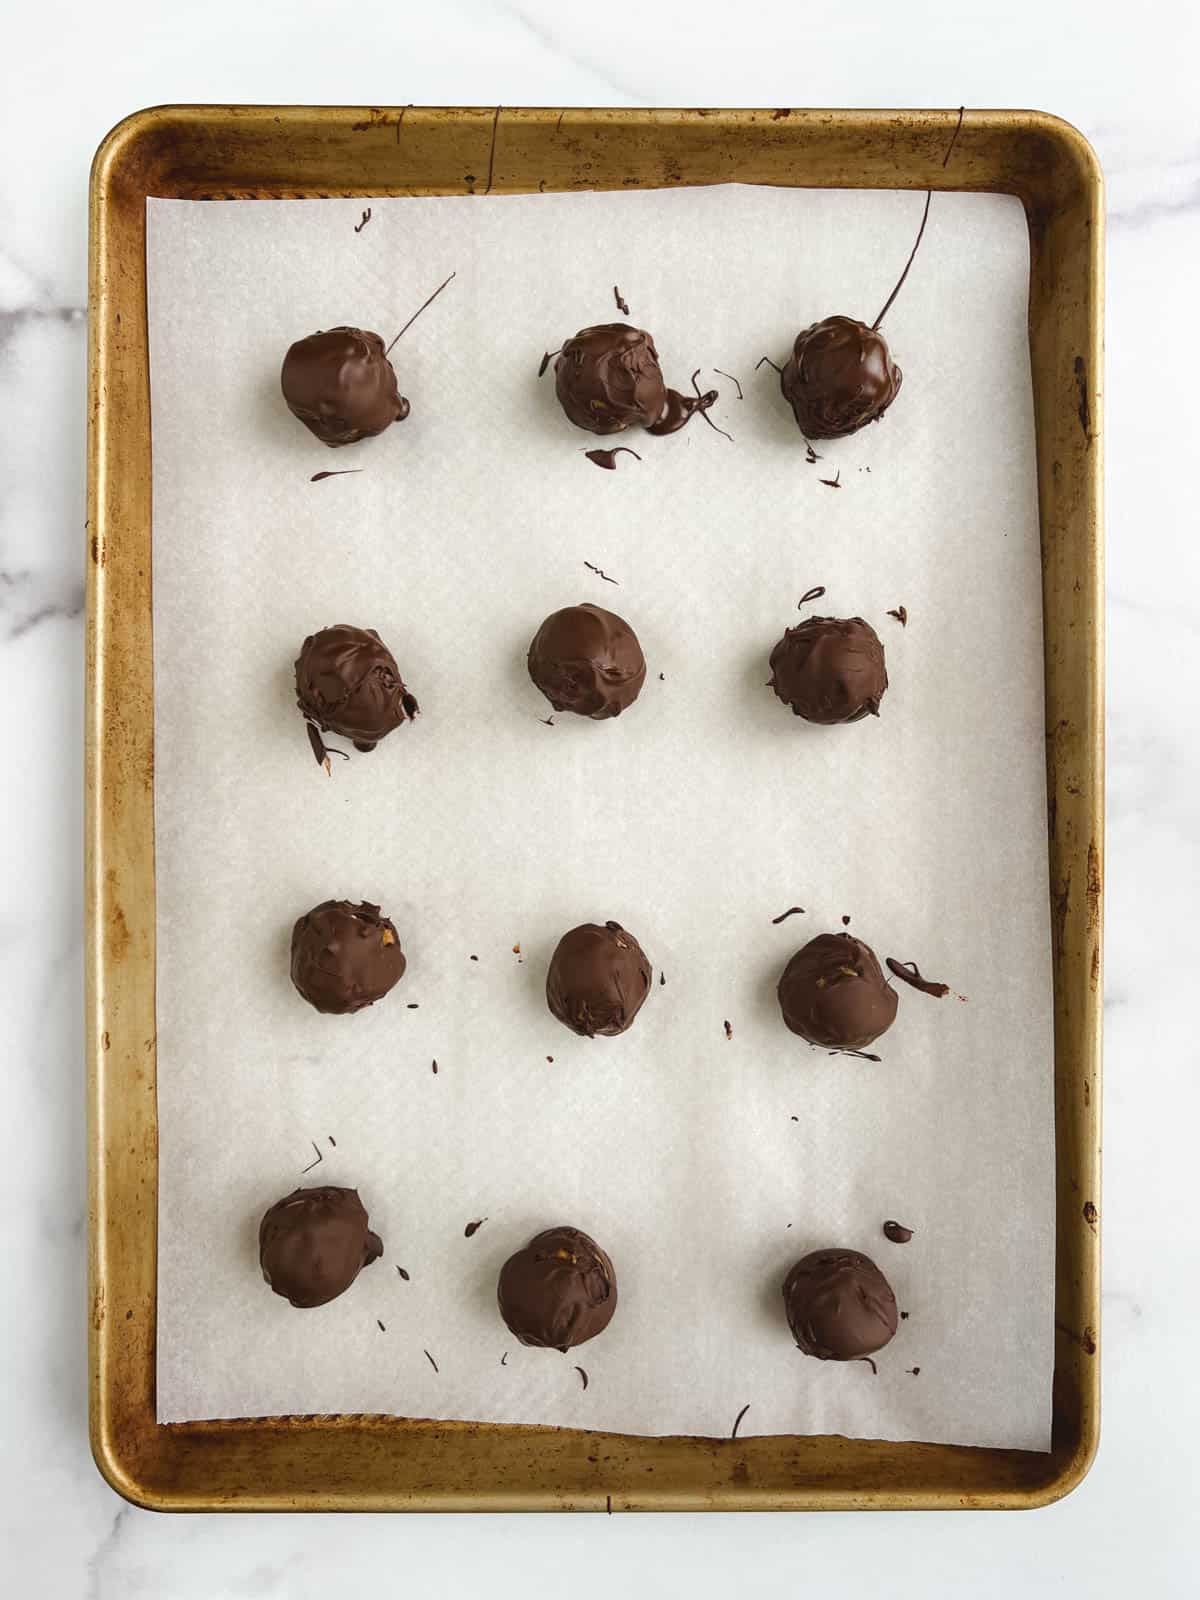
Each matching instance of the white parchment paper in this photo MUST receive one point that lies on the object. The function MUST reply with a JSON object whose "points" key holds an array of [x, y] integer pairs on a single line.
{"points": [[704, 1164]]}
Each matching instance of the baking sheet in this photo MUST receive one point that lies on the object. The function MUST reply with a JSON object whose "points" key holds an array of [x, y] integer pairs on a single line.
{"points": [[705, 1164]]}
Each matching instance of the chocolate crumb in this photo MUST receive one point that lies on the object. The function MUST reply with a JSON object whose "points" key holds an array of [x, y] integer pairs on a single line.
{"points": [[896, 1232], [550, 1059], [794, 1119], [662, 978], [662, 677], [583, 1375], [901, 615], [382, 1329], [432, 1362], [784, 915], [473, 1228], [915, 1371], [737, 1421], [412, 1005], [435, 1069], [845, 922], [904, 1316]]}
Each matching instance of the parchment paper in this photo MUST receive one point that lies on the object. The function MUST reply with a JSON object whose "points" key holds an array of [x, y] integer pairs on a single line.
{"points": [[704, 1164]]}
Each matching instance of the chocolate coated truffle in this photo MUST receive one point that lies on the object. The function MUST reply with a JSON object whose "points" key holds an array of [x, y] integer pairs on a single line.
{"points": [[313, 1244], [341, 385], [839, 1305], [833, 993], [587, 660], [830, 669], [598, 979], [345, 957], [559, 1291], [608, 379], [347, 682], [840, 376]]}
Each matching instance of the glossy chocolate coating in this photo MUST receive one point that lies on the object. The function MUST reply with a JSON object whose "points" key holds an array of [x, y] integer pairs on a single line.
{"points": [[839, 1305], [833, 993], [341, 385], [597, 980], [587, 660], [347, 682], [830, 669], [313, 1244], [840, 376], [559, 1291], [345, 957], [608, 378]]}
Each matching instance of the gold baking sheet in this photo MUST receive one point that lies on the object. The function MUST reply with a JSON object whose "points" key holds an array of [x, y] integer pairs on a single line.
{"points": [[382, 1463]]}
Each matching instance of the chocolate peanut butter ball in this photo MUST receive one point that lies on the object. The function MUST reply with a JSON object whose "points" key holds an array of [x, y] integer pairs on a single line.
{"points": [[345, 957], [341, 385], [559, 1291], [839, 1305], [348, 683], [587, 660], [839, 377], [313, 1244], [608, 379], [830, 669], [833, 993], [598, 978]]}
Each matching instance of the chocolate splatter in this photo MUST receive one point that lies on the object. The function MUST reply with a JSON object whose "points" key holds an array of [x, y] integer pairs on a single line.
{"points": [[784, 915], [1090, 1215], [896, 1232], [315, 1163], [834, 482], [915, 1371], [549, 722], [911, 974], [580, 1370], [473, 958], [435, 1069], [504, 1359], [701, 404], [344, 472], [810, 455], [366, 217], [381, 1327], [403, 1274], [412, 1005], [332, 1140], [901, 615], [904, 1316], [621, 306], [599, 571], [662, 978], [732, 379], [737, 1421], [728, 1029], [473, 1228], [432, 1362], [608, 458], [845, 922], [550, 1059]]}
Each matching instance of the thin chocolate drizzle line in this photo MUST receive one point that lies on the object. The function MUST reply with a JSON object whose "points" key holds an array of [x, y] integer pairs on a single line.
{"points": [[732, 379], [382, 1329], [901, 615], [312, 1164], [810, 594], [344, 472], [366, 217], [769, 363], [580, 1370], [811, 457], [900, 283], [784, 915], [623, 309], [957, 131], [706, 400], [432, 1362], [492, 150], [870, 1363], [599, 572], [504, 1359], [737, 1421], [548, 358], [863, 1055], [911, 974], [608, 458], [417, 313]]}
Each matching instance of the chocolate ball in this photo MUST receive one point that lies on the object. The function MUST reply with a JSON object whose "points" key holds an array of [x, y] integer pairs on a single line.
{"points": [[608, 379], [341, 385], [587, 660], [839, 377], [839, 1305], [830, 669], [833, 993], [598, 978], [345, 957], [348, 683], [559, 1291], [313, 1244]]}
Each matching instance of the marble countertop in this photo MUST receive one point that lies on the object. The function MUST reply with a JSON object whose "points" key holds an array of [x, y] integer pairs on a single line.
{"points": [[1127, 81]]}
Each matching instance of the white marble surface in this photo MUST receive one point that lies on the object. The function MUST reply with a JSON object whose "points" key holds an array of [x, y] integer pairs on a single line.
{"points": [[1126, 79]]}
